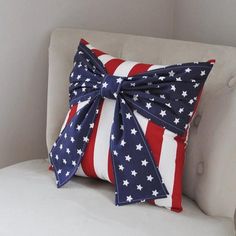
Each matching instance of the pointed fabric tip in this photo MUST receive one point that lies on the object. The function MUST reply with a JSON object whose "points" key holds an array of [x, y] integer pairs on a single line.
{"points": [[212, 61], [50, 167], [83, 41]]}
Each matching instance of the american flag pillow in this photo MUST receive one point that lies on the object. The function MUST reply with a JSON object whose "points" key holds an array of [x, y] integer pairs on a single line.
{"points": [[167, 147]]}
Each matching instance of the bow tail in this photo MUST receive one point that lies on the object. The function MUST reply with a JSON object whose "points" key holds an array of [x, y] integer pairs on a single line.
{"points": [[137, 178], [68, 150]]}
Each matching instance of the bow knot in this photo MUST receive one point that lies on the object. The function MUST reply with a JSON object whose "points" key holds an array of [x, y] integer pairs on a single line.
{"points": [[111, 86]]}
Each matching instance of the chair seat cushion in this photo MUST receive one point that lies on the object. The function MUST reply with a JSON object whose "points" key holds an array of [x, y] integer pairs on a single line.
{"points": [[31, 205]]}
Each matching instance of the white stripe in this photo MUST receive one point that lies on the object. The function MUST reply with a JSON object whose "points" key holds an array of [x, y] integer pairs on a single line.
{"points": [[154, 67], [167, 166], [90, 46], [124, 68], [143, 122], [80, 172], [105, 58], [102, 142], [65, 121], [82, 104]]}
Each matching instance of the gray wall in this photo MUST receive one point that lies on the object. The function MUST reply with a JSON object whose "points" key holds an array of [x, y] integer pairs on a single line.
{"points": [[25, 26], [210, 21]]}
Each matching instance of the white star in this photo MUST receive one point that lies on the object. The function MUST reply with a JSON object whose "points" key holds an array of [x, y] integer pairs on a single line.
{"points": [[122, 127], [181, 110], [184, 93], [59, 171], [168, 104], [68, 150], [139, 147], [121, 167], [91, 125], [176, 121], [144, 162], [133, 131], [203, 72], [79, 151], [123, 142], [129, 198], [54, 145], [133, 172], [128, 158], [112, 137], [148, 105], [173, 87], [125, 182], [122, 100], [72, 139], [171, 73], [139, 187], [115, 153], [155, 193], [67, 173], [163, 113], [56, 157], [133, 84], [128, 116], [95, 86], [188, 70], [178, 79], [61, 146], [64, 161], [65, 135], [161, 78], [104, 85], [78, 127], [162, 96], [135, 97], [149, 178], [119, 80], [78, 77], [74, 163], [85, 139], [191, 101], [196, 85], [190, 113]]}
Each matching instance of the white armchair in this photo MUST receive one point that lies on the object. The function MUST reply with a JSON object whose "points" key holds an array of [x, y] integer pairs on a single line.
{"points": [[30, 203]]}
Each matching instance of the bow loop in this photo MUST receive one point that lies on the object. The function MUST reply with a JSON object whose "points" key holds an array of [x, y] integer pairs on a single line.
{"points": [[111, 86]]}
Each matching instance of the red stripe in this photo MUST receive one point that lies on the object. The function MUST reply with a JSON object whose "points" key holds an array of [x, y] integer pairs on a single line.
{"points": [[154, 137], [83, 41], [97, 52], [88, 159], [212, 61], [72, 112], [50, 167], [179, 165], [112, 65], [110, 168], [139, 68]]}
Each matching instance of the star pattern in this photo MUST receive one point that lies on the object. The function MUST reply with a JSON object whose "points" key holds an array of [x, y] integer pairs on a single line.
{"points": [[166, 96]]}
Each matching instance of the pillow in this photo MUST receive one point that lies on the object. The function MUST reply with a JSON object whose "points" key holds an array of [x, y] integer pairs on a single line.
{"points": [[160, 101]]}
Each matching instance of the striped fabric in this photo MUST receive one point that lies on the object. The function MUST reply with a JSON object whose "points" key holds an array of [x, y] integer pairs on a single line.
{"points": [[168, 148]]}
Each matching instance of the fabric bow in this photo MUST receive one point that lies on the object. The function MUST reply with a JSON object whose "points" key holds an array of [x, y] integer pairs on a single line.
{"points": [[166, 96]]}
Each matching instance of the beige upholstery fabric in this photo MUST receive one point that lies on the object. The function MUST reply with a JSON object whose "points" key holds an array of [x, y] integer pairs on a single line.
{"points": [[31, 205], [210, 169]]}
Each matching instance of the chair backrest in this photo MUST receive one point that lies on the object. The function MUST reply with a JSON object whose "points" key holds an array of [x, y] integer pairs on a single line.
{"points": [[210, 166]]}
